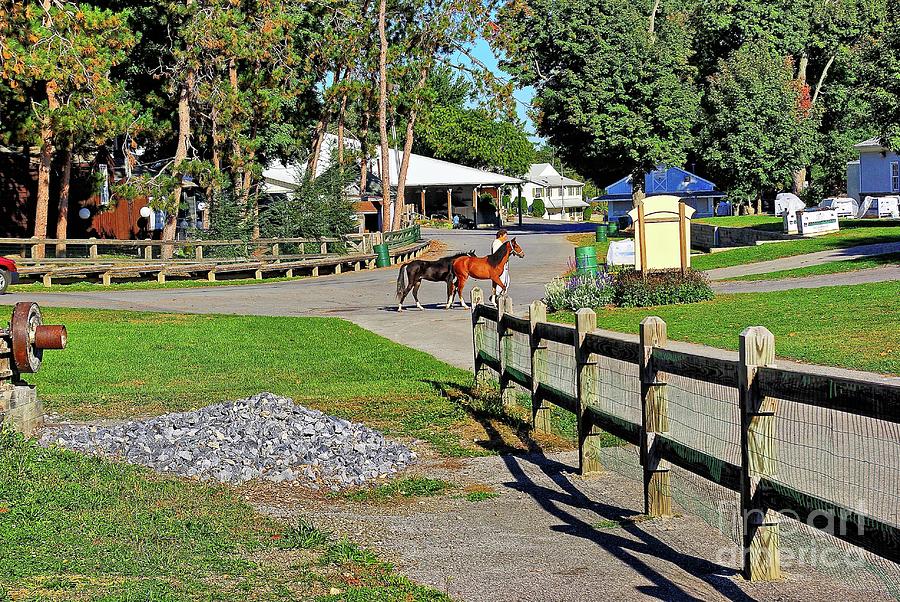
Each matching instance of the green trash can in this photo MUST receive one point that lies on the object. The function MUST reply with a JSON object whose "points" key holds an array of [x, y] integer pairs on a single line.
{"points": [[383, 253], [612, 228], [586, 261], [601, 233]]}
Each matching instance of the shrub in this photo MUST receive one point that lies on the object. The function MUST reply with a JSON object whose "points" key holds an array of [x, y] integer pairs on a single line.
{"points": [[523, 204], [537, 208], [574, 292], [587, 213], [667, 287]]}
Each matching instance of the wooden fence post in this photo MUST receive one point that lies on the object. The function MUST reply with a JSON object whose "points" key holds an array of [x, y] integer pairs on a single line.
{"points": [[655, 419], [478, 326], [92, 249], [198, 252], [587, 378], [507, 393], [758, 457], [148, 251], [540, 409]]}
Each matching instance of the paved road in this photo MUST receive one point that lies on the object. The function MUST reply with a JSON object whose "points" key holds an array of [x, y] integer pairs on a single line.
{"points": [[366, 298], [801, 261]]}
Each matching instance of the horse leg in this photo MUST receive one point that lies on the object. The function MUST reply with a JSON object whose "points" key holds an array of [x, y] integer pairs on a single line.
{"points": [[498, 284], [451, 290], [415, 293], [460, 284]]}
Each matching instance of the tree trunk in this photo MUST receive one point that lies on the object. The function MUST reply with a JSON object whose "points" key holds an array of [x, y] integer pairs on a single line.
{"points": [[184, 136], [237, 161], [316, 150], [382, 120], [340, 129], [638, 193], [216, 161], [364, 148], [62, 218], [799, 178], [42, 206], [400, 203]]}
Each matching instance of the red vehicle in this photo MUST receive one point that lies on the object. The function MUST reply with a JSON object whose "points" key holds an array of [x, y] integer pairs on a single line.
{"points": [[9, 273]]}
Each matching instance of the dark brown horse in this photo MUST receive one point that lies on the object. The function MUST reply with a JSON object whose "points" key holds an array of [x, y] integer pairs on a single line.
{"points": [[414, 272], [483, 268]]}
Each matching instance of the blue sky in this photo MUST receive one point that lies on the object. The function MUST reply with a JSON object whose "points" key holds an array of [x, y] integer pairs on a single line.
{"points": [[483, 52]]}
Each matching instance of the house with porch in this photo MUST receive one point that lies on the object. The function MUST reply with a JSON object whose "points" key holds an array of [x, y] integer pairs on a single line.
{"points": [[697, 192], [876, 173], [433, 187], [562, 197]]}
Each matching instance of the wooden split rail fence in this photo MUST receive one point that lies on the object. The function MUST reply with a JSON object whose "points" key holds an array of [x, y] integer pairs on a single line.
{"points": [[109, 260], [792, 443]]}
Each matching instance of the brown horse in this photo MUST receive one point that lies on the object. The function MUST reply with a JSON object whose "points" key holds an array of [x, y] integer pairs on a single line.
{"points": [[483, 268]]}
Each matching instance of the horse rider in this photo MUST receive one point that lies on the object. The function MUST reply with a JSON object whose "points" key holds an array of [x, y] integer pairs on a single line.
{"points": [[499, 241]]}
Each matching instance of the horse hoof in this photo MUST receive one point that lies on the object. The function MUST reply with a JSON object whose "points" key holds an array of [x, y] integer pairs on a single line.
{"points": [[420, 307]]}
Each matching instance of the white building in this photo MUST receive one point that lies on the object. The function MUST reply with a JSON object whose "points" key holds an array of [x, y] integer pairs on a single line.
{"points": [[433, 187], [562, 196]]}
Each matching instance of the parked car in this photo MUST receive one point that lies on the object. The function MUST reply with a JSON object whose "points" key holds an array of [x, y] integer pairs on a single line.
{"points": [[464, 223], [9, 273]]}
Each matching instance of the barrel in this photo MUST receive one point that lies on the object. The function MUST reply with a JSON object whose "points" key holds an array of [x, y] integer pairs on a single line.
{"points": [[586, 261], [601, 233], [612, 228], [383, 253]]}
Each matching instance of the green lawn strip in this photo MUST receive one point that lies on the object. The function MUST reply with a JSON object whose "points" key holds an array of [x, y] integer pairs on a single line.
{"points": [[124, 364], [820, 326], [832, 267], [743, 221], [851, 235], [400, 488], [84, 286], [74, 527]]}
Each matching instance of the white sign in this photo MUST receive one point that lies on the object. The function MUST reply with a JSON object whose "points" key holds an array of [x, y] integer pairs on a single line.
{"points": [[662, 233], [817, 221], [621, 252], [790, 222]]}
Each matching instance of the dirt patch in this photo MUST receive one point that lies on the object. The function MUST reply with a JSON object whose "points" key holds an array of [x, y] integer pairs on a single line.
{"points": [[552, 535]]}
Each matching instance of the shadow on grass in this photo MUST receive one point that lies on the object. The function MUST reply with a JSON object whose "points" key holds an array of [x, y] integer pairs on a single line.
{"points": [[483, 405]]}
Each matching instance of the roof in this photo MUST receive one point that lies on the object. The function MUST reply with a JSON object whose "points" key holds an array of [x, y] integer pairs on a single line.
{"points": [[564, 203], [672, 180], [428, 172], [872, 144], [365, 207], [424, 172], [546, 175]]}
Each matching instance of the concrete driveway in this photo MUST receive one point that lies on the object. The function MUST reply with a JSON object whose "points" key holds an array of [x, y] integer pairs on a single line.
{"points": [[366, 298]]}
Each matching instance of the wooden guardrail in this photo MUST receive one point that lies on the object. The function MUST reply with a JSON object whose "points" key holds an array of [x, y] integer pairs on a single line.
{"points": [[763, 391], [260, 257]]}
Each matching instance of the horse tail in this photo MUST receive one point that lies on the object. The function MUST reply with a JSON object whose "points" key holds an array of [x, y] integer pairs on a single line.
{"points": [[401, 281]]}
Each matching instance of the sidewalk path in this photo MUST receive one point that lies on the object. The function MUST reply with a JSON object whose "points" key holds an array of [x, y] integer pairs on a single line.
{"points": [[880, 274], [800, 261]]}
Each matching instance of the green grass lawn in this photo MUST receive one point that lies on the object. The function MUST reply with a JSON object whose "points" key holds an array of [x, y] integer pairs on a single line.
{"points": [[853, 233], [80, 528], [125, 364], [844, 326], [742, 221], [832, 267]]}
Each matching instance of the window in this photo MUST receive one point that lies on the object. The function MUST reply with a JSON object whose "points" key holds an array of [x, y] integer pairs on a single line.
{"points": [[538, 192], [895, 176]]}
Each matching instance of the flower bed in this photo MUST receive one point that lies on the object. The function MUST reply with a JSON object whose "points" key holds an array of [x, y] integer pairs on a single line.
{"points": [[627, 288]]}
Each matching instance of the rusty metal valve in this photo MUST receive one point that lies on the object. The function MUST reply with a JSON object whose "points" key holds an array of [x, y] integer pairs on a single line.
{"points": [[29, 337]]}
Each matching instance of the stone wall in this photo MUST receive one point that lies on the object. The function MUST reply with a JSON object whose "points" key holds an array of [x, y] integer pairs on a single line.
{"points": [[708, 236]]}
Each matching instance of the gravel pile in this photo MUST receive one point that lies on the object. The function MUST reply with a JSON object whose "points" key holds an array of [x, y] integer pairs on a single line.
{"points": [[263, 437]]}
